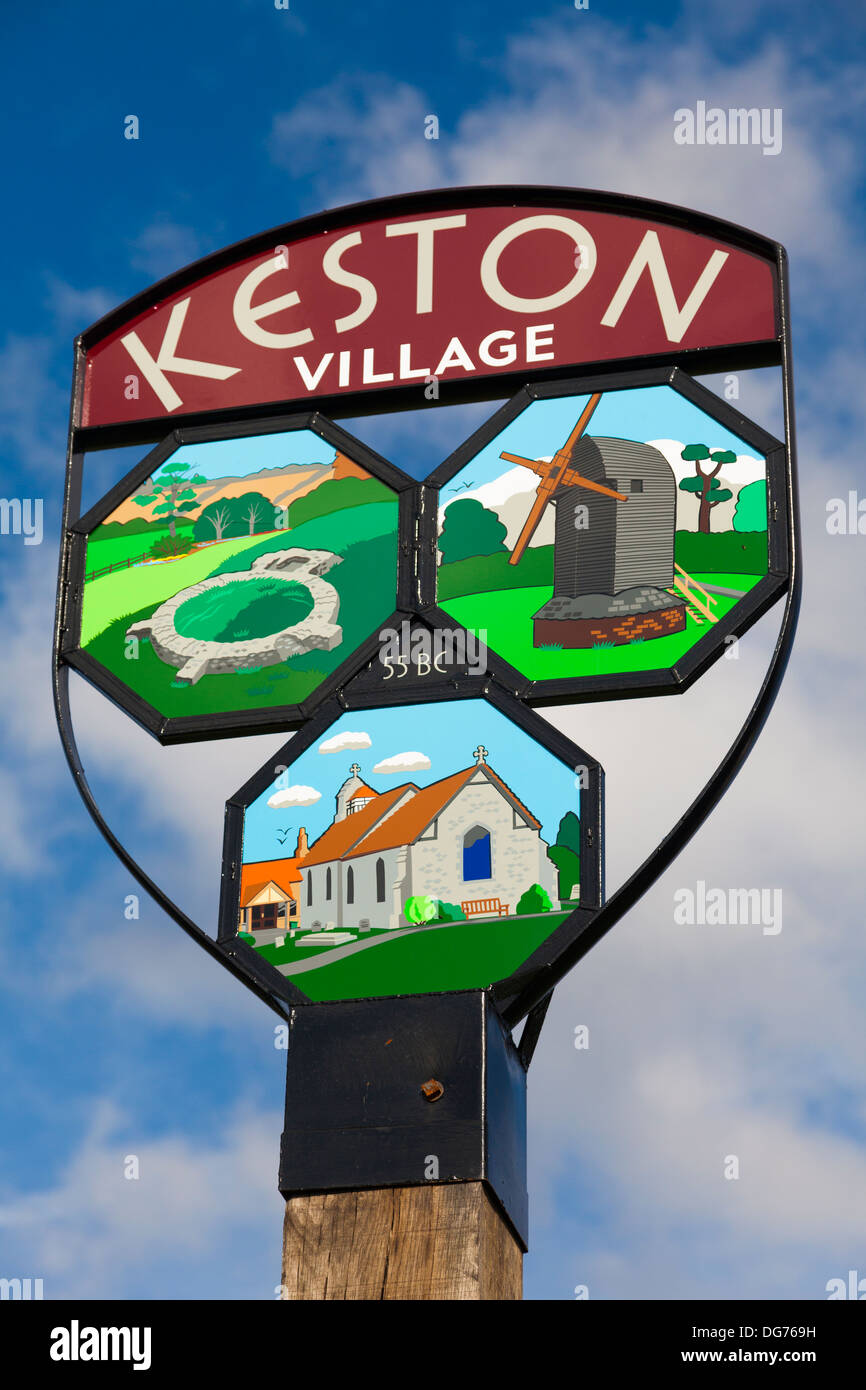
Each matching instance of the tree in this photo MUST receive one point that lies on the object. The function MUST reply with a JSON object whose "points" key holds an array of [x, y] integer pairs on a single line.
{"points": [[534, 900], [213, 522], [565, 853], [253, 509], [469, 529], [751, 510], [173, 494], [706, 485]]}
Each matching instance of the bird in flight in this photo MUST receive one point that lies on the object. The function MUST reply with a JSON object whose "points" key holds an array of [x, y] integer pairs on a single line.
{"points": [[460, 487], [283, 835]]}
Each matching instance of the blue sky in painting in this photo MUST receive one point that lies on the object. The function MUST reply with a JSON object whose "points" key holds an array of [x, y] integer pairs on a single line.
{"points": [[652, 412], [447, 735], [123, 1037], [236, 458]]}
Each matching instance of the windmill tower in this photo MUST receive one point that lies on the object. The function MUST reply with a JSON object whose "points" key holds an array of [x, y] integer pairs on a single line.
{"points": [[613, 567]]}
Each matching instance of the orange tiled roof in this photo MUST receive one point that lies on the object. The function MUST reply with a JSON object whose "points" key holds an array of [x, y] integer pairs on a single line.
{"points": [[404, 827], [339, 838], [283, 873], [408, 823]]}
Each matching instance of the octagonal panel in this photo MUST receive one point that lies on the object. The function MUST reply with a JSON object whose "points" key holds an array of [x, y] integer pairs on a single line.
{"points": [[413, 849], [231, 580], [610, 537]]}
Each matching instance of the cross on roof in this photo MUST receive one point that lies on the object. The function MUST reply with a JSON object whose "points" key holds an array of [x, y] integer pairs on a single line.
{"points": [[355, 769], [480, 755]]}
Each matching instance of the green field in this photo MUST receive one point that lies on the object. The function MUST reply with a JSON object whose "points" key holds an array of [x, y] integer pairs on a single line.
{"points": [[142, 590], [366, 581], [462, 955], [109, 550], [507, 620]]}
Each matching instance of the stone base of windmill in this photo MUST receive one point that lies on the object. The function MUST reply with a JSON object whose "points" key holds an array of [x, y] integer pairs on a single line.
{"points": [[589, 620]]}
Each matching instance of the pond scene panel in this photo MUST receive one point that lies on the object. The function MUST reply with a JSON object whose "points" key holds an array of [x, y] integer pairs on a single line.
{"points": [[240, 574]]}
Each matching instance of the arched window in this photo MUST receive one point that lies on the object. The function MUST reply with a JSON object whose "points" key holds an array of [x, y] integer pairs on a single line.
{"points": [[309, 888], [350, 885], [380, 880], [476, 853], [328, 883]]}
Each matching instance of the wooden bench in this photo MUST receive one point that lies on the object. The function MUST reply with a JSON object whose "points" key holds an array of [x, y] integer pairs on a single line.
{"points": [[485, 907]]}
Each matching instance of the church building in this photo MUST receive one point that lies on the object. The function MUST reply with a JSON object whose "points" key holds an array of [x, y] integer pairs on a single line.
{"points": [[466, 839]]}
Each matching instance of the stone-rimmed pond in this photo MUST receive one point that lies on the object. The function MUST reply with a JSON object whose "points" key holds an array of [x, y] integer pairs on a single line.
{"points": [[281, 607], [256, 607]]}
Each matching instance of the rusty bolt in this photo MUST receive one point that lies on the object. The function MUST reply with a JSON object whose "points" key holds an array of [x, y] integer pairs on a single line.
{"points": [[432, 1089]]}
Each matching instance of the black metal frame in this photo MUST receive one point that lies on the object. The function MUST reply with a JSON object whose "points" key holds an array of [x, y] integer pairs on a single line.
{"points": [[711, 645], [532, 724], [275, 719], [519, 998]]}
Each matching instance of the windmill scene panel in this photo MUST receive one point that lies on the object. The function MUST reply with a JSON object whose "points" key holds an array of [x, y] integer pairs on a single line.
{"points": [[411, 850], [602, 534], [240, 574]]}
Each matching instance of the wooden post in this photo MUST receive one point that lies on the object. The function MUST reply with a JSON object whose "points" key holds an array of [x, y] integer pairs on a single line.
{"points": [[442, 1241]]}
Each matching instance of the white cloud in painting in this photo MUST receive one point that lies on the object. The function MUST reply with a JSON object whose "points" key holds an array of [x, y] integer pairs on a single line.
{"points": [[294, 796], [403, 762], [341, 742], [510, 497]]}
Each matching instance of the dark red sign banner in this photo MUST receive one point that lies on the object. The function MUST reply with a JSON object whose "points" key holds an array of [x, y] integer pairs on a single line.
{"points": [[459, 292]]}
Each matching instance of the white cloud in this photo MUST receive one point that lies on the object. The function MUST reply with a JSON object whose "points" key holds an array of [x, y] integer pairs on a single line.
{"points": [[77, 309], [341, 742], [403, 762], [164, 246], [298, 795], [172, 1231]]}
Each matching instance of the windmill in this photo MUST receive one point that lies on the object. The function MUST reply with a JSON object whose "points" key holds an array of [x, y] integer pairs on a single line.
{"points": [[613, 566], [557, 473]]}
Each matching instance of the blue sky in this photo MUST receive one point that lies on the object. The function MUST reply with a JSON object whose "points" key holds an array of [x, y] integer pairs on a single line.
{"points": [[447, 735], [705, 1041]]}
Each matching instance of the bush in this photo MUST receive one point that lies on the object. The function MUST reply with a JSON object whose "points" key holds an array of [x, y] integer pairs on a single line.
{"points": [[247, 936], [534, 900], [419, 909], [450, 912], [170, 546]]}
